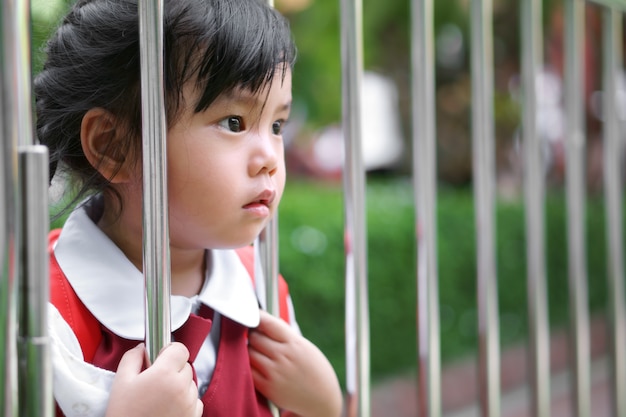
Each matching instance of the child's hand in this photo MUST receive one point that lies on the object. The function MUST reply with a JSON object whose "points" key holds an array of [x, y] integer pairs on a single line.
{"points": [[164, 389], [292, 372]]}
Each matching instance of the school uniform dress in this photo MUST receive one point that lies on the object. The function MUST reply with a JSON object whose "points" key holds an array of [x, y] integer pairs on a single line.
{"points": [[213, 325]]}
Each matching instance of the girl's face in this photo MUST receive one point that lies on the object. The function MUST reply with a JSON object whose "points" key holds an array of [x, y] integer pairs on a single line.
{"points": [[226, 168]]}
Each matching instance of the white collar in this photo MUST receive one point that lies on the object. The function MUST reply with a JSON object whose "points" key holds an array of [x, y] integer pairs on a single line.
{"points": [[113, 289]]}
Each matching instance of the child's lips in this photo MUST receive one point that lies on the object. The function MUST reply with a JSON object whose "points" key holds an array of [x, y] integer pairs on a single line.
{"points": [[262, 201]]}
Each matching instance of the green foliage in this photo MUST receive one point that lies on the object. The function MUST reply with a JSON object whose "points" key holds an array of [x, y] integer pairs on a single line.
{"points": [[316, 277], [45, 16], [317, 75]]}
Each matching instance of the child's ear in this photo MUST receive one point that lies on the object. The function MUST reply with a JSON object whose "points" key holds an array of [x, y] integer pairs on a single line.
{"points": [[101, 140]]}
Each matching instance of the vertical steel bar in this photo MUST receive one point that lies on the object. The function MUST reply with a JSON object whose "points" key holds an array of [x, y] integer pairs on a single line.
{"points": [[575, 189], [424, 185], [267, 243], [8, 219], [156, 257], [266, 273], [266, 265], [18, 26], [484, 178], [534, 187], [16, 131], [357, 309], [35, 369], [613, 154]]}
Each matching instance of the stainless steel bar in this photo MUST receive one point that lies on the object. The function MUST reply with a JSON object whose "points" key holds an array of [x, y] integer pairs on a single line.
{"points": [[484, 178], [424, 185], [21, 67], [357, 308], [266, 273], [266, 266], [35, 369], [613, 153], [156, 257], [8, 225], [534, 188], [268, 250], [575, 189], [8, 262], [16, 130]]}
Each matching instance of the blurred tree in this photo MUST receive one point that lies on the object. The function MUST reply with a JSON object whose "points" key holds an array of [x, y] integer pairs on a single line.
{"points": [[387, 50]]}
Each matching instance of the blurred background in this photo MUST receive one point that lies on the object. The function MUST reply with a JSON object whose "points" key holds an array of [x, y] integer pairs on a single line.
{"points": [[311, 214]]}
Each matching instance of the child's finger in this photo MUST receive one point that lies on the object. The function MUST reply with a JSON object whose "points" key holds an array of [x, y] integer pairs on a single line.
{"points": [[259, 362], [260, 381], [132, 362], [274, 327], [263, 343], [174, 355]]}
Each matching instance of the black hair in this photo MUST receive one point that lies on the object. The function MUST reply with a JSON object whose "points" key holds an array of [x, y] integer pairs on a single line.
{"points": [[93, 61]]}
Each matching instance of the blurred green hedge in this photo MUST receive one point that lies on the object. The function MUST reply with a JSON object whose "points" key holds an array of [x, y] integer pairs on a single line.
{"points": [[312, 260]]}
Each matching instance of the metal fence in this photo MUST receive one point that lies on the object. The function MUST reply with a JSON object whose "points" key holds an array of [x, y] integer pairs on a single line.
{"points": [[25, 370], [425, 187]]}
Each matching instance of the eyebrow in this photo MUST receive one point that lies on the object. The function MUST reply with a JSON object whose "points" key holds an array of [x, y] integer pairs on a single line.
{"points": [[285, 107]]}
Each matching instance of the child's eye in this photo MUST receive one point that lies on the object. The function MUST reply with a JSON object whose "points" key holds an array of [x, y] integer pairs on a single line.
{"points": [[277, 127], [232, 123]]}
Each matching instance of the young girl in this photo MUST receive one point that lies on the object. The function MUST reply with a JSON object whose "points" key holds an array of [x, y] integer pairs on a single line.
{"points": [[228, 94]]}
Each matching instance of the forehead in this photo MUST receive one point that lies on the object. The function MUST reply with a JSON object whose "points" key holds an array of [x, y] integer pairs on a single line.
{"points": [[276, 86], [280, 83]]}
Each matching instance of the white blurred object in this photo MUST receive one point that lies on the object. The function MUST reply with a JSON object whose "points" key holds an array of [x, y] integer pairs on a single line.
{"points": [[550, 113], [382, 144]]}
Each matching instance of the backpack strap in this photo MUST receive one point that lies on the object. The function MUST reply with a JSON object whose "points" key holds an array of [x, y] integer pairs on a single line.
{"points": [[87, 328]]}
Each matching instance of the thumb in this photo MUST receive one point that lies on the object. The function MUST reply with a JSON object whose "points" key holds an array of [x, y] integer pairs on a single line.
{"points": [[132, 361]]}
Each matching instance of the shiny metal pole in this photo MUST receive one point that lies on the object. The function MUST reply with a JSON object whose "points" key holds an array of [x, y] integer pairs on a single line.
{"points": [[267, 254], [575, 189], [156, 256], [8, 220], [424, 185], [266, 273], [613, 153], [357, 303], [484, 179], [33, 345], [35, 368], [266, 268], [534, 187]]}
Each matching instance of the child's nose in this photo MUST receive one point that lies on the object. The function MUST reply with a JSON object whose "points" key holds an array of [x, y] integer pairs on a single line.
{"points": [[267, 151]]}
